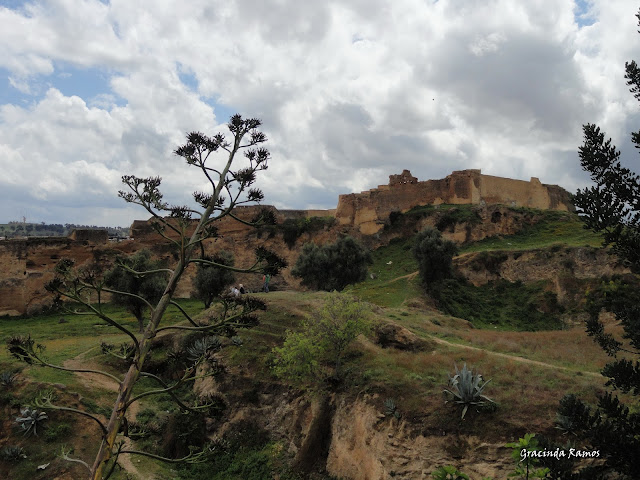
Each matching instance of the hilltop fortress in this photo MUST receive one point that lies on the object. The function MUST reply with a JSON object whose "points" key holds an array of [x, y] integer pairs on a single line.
{"points": [[27, 264], [367, 211]]}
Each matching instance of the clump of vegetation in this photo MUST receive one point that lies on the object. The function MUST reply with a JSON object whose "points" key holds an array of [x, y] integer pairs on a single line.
{"points": [[332, 266], [526, 464], [465, 389], [391, 409], [210, 281], [449, 472], [202, 347], [294, 228], [316, 353], [453, 216], [489, 261], [31, 420], [8, 379], [434, 255], [501, 304], [133, 291], [12, 453]]}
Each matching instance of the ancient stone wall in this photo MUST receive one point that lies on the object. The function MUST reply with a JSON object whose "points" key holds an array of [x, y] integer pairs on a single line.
{"points": [[369, 210]]}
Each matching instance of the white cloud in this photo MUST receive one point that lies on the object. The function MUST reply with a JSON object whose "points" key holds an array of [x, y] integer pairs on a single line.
{"points": [[349, 92]]}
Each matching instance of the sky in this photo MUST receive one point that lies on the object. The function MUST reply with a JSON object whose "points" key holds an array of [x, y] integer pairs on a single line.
{"points": [[348, 91]]}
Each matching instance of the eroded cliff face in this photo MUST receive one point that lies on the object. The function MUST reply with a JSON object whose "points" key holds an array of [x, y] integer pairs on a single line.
{"points": [[352, 439], [366, 445]]}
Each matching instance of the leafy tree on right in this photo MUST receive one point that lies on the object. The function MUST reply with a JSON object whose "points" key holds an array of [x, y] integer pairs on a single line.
{"points": [[612, 206]]}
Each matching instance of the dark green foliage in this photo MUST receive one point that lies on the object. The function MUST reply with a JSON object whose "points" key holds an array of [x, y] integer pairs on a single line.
{"points": [[293, 228], [612, 206], [450, 218], [57, 433], [12, 453], [391, 409], [136, 288], [528, 467], [489, 261], [332, 266], [24, 348], [434, 255], [210, 281], [610, 428], [448, 473], [501, 304], [243, 454], [202, 347], [8, 379], [181, 432]]}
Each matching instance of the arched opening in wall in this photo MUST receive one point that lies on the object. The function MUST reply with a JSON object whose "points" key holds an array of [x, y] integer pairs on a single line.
{"points": [[496, 217]]}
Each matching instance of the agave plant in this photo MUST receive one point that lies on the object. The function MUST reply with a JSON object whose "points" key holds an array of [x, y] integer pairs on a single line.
{"points": [[201, 347], [12, 453], [466, 388], [390, 408], [8, 379], [31, 420]]}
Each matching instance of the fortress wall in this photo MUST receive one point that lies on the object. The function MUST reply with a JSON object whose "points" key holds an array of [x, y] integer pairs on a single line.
{"points": [[28, 264], [370, 209]]}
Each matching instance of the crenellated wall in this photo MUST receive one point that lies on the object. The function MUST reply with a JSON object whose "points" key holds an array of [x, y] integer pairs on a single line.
{"points": [[368, 210]]}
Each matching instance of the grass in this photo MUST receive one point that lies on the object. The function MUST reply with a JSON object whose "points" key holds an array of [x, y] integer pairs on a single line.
{"points": [[553, 228], [500, 305]]}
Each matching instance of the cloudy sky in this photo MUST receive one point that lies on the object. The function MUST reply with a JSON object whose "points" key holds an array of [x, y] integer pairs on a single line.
{"points": [[349, 92]]}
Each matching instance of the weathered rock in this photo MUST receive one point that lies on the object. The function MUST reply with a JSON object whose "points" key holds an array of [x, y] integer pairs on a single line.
{"points": [[391, 335]]}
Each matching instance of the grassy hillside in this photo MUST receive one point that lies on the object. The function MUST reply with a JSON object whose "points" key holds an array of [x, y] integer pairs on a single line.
{"points": [[529, 370]]}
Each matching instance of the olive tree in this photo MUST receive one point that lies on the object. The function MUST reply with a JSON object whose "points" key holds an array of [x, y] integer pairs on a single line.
{"points": [[185, 228]]}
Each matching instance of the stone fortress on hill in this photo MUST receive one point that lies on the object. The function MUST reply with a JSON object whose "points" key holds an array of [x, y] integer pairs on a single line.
{"points": [[27, 264], [369, 210]]}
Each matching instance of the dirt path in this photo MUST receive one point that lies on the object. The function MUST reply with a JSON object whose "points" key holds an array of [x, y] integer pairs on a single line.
{"points": [[511, 357], [95, 380]]}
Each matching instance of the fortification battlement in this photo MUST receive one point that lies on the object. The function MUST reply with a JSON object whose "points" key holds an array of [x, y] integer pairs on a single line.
{"points": [[370, 209]]}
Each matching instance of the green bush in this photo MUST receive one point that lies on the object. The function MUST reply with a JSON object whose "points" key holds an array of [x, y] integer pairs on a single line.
{"points": [[434, 255], [317, 351], [332, 266], [211, 281]]}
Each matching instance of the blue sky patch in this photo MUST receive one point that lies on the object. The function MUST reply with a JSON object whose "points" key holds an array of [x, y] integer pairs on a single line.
{"points": [[90, 84], [582, 13]]}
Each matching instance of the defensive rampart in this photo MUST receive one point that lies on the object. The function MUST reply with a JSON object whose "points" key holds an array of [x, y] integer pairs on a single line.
{"points": [[367, 211]]}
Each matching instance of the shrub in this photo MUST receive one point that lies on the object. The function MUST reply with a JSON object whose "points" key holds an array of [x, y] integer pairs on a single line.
{"points": [[434, 255], [211, 281], [449, 473], [12, 453], [322, 341], [332, 266]]}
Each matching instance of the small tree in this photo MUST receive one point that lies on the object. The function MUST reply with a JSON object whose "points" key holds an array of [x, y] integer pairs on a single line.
{"points": [[135, 289], [323, 340], [211, 281], [74, 283], [434, 255], [332, 266]]}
